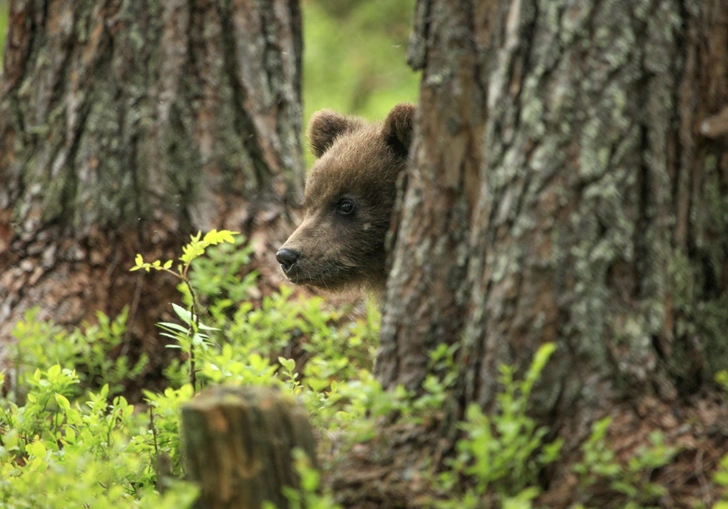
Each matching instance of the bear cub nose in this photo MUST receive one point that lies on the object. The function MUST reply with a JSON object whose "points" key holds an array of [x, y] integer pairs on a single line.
{"points": [[287, 258]]}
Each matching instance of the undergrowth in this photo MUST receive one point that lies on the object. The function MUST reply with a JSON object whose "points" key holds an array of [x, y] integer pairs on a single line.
{"points": [[69, 438]]}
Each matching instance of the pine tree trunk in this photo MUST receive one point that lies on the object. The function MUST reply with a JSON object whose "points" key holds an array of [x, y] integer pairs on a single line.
{"points": [[126, 127], [569, 184], [427, 291]]}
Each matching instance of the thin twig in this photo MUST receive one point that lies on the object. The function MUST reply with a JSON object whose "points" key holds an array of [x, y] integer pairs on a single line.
{"points": [[196, 314], [154, 430]]}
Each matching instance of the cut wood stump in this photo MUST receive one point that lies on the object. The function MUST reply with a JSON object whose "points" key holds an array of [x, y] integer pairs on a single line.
{"points": [[238, 443]]}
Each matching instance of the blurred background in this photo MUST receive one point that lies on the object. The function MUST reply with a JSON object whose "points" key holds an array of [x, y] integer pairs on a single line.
{"points": [[3, 25], [354, 55]]}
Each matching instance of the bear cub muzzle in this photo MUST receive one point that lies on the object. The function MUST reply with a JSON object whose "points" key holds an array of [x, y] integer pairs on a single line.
{"points": [[349, 199]]}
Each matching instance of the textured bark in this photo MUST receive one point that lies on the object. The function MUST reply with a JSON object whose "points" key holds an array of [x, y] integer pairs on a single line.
{"points": [[427, 290], [569, 183], [603, 209], [124, 127], [238, 443]]}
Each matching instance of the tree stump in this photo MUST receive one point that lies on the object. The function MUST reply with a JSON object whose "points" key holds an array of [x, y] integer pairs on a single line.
{"points": [[238, 443]]}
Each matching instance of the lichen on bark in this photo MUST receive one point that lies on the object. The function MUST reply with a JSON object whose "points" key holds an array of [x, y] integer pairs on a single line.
{"points": [[127, 126], [596, 216]]}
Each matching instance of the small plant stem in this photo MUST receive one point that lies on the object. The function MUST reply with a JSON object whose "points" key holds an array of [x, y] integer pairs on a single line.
{"points": [[196, 314], [193, 374], [154, 430]]}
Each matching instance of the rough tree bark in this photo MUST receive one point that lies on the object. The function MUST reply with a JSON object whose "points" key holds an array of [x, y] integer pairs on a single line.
{"points": [[124, 127], [238, 444], [569, 184]]}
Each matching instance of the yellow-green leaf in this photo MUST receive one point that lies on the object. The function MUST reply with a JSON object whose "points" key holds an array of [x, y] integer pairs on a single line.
{"points": [[63, 401], [228, 236]]}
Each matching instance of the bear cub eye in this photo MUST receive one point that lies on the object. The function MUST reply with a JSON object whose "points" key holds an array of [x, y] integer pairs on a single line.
{"points": [[345, 207]]}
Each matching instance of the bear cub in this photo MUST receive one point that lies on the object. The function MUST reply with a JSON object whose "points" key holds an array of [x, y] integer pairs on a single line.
{"points": [[349, 197]]}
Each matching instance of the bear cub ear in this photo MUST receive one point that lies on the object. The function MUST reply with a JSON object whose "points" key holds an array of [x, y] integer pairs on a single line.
{"points": [[325, 126], [397, 130]]}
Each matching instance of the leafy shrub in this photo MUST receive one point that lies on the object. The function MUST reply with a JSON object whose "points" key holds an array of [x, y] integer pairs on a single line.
{"points": [[41, 345], [599, 464], [505, 450], [56, 453], [67, 444]]}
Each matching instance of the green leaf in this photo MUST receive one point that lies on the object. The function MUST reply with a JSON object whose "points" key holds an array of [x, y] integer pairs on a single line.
{"points": [[36, 448], [63, 401], [172, 326], [184, 314], [54, 371], [289, 364], [139, 262]]}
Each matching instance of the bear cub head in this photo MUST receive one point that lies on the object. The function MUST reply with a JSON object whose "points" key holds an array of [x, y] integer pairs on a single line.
{"points": [[349, 198]]}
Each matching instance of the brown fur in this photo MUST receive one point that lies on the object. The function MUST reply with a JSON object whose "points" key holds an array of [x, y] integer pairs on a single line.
{"points": [[358, 163]]}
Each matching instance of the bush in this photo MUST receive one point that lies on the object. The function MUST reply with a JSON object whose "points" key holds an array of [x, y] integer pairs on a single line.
{"points": [[69, 439], [65, 444]]}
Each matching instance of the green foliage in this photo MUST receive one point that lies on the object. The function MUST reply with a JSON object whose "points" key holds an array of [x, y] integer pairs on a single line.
{"points": [[722, 378], [62, 437], [355, 56], [191, 251], [91, 347], [66, 444], [307, 495], [506, 450], [69, 439], [281, 320], [599, 460], [217, 281], [721, 479], [55, 453], [721, 475], [442, 376], [632, 480], [188, 338], [4, 11]]}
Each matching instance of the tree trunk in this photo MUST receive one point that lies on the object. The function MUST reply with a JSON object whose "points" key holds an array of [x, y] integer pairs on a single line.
{"points": [[569, 184], [125, 127], [427, 279]]}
